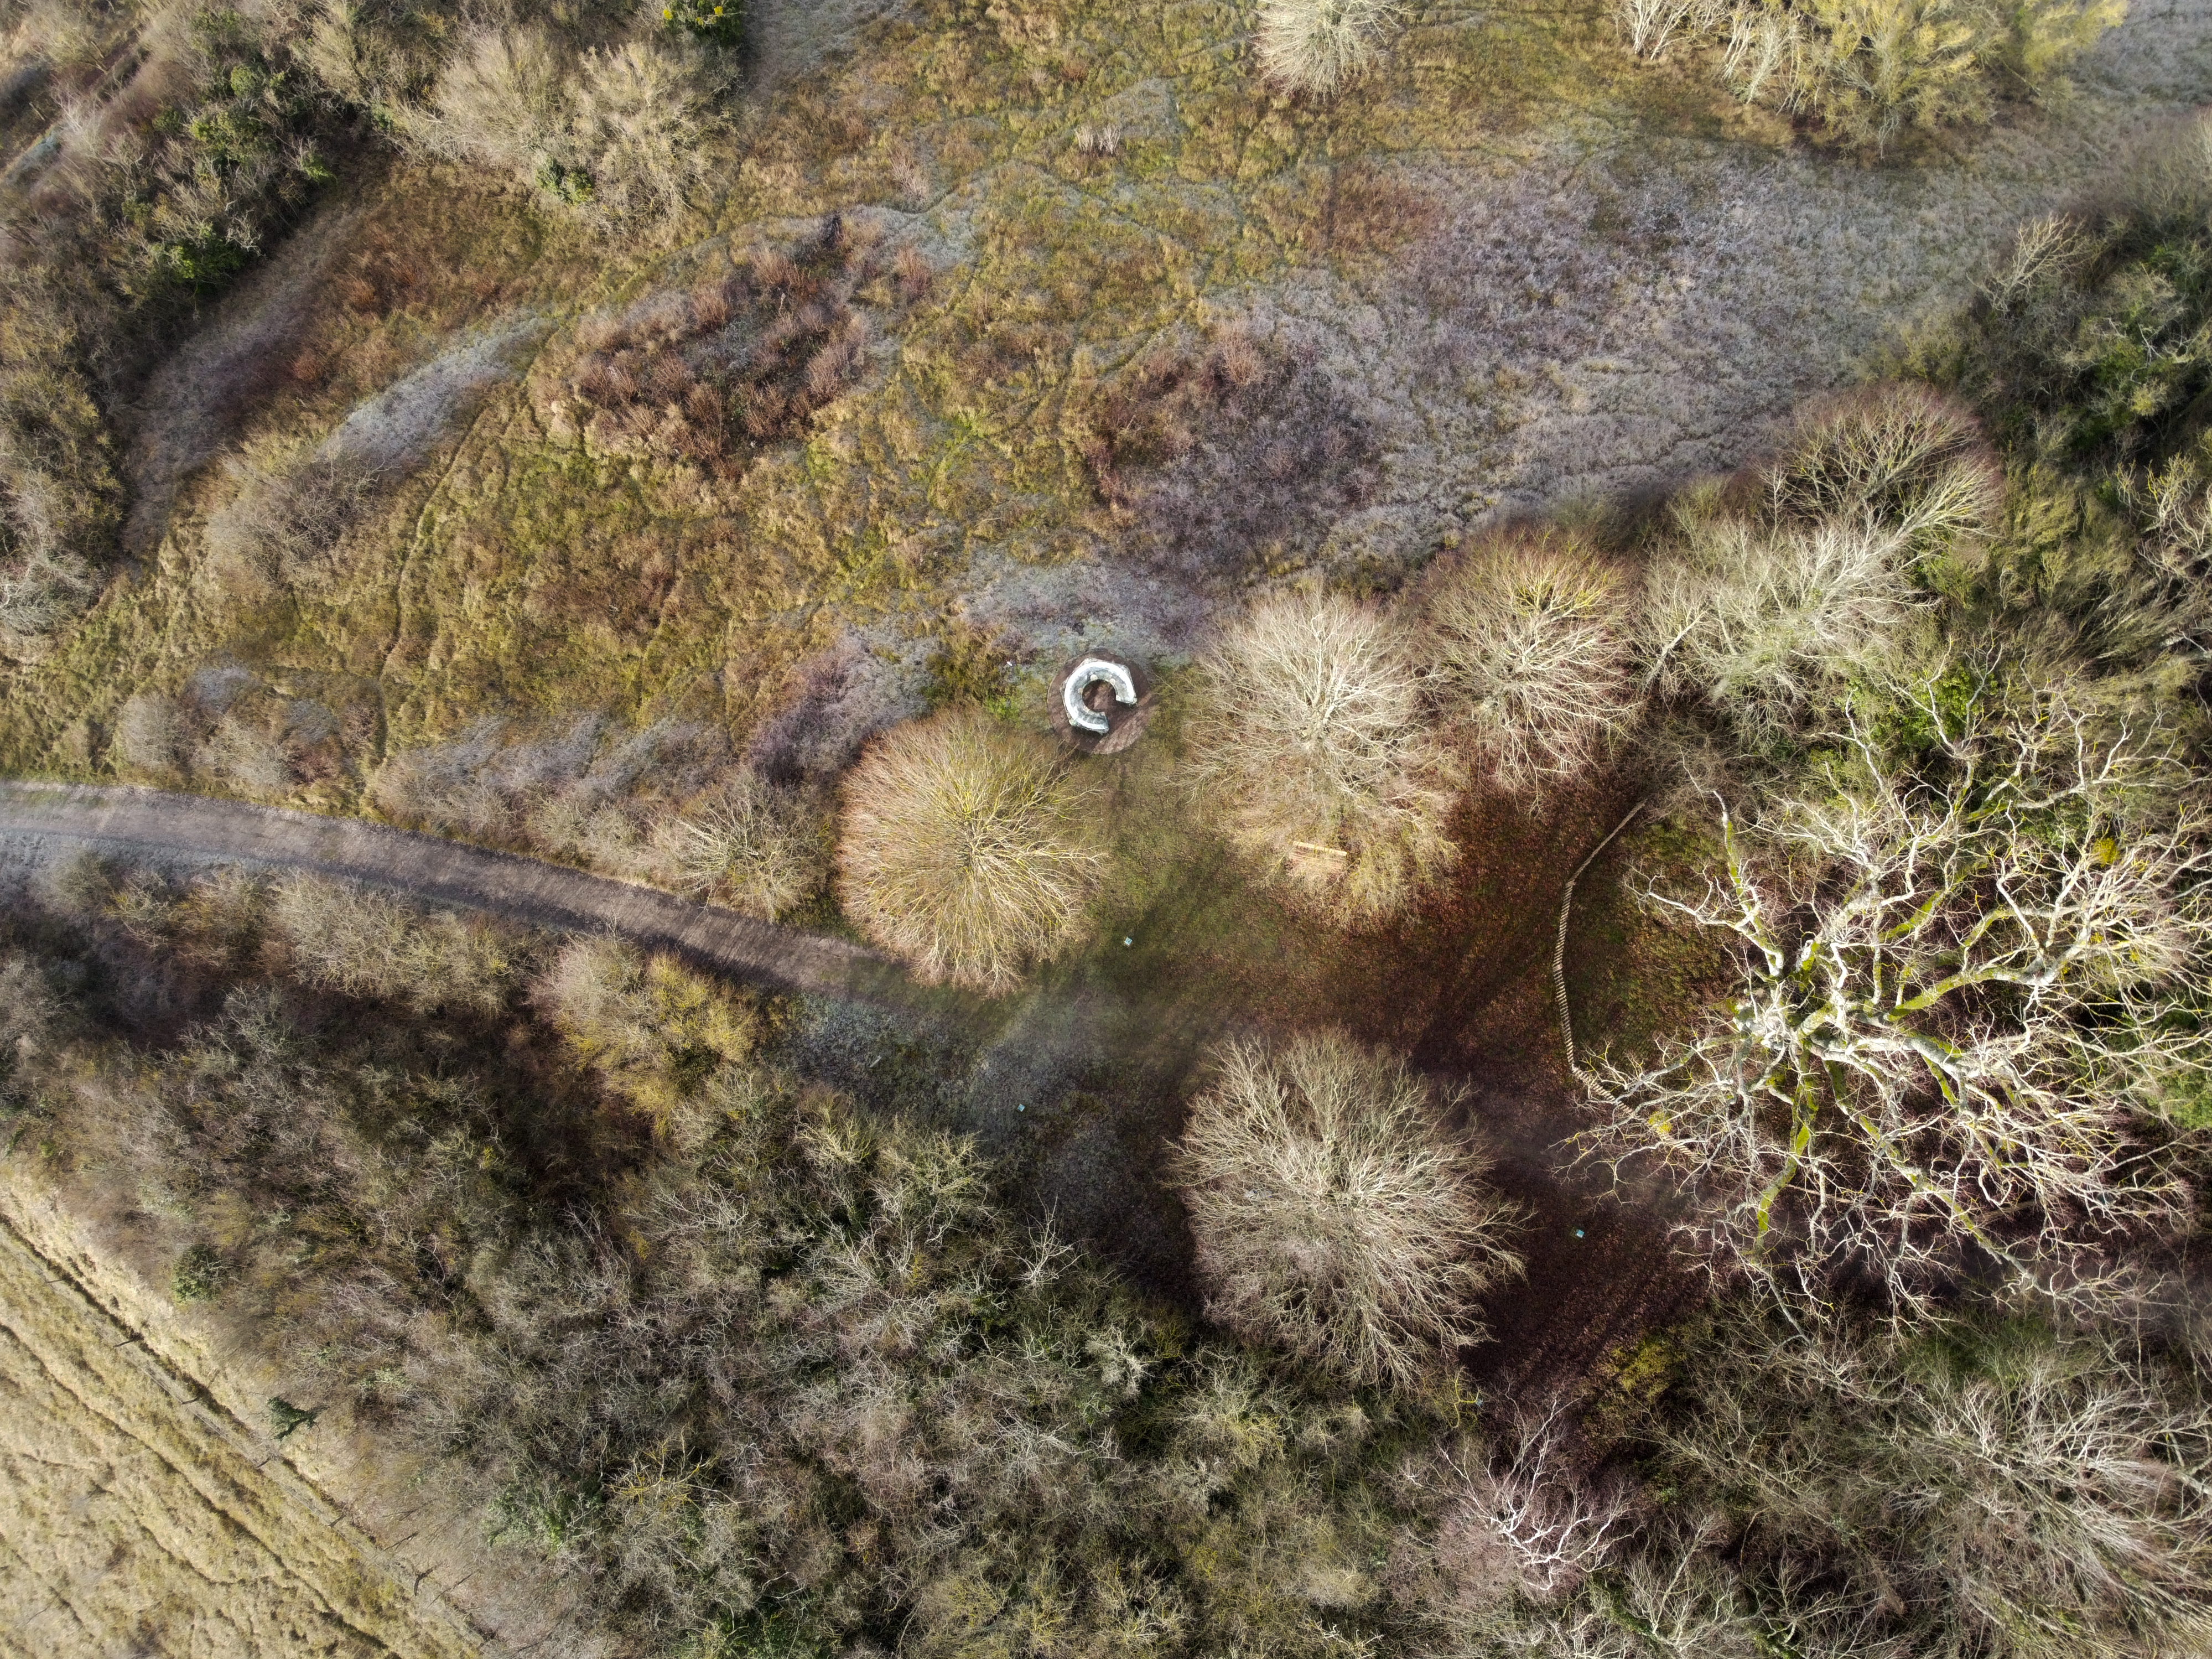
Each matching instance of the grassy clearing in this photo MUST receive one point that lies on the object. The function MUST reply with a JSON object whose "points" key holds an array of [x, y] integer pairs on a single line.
{"points": [[135, 1515], [525, 571]]}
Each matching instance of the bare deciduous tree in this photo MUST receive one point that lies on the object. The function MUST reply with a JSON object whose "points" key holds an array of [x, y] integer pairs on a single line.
{"points": [[966, 849], [1526, 1518], [1958, 999], [1310, 738], [749, 845], [1529, 639], [1758, 619], [1899, 457], [1335, 1213], [2008, 1489]]}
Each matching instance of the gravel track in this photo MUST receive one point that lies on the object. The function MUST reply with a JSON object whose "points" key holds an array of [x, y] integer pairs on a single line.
{"points": [[199, 828]]}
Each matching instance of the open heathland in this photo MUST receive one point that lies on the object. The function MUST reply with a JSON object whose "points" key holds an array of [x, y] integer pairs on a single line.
{"points": [[1616, 1061]]}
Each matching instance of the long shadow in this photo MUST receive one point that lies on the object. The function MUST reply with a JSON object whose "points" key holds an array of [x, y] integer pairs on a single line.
{"points": [[1079, 1085]]}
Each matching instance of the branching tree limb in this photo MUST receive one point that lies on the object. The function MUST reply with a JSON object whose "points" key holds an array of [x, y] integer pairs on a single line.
{"points": [[1963, 991]]}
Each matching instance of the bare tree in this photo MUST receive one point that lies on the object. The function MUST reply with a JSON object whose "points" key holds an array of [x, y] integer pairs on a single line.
{"points": [[2007, 1489], [1529, 639], [1899, 458], [968, 848], [1311, 738], [1959, 998], [748, 844], [1334, 1212], [1526, 1517], [1758, 619]]}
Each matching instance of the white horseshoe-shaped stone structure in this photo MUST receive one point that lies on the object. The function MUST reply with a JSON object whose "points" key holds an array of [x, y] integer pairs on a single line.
{"points": [[1080, 678]]}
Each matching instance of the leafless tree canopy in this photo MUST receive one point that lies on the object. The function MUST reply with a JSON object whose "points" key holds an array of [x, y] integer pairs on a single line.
{"points": [[747, 844], [1762, 611], [1334, 1214], [2008, 1490], [1311, 739], [1962, 990], [621, 136], [968, 848], [1526, 1517], [1528, 636]]}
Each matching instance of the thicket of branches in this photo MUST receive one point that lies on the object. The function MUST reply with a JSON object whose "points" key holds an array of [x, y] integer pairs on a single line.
{"points": [[760, 1369], [1337, 1214], [1310, 739], [1529, 643], [1970, 975], [968, 848], [1868, 72]]}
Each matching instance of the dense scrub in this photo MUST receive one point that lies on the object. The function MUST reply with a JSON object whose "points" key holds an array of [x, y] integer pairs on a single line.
{"points": [[768, 1371], [1867, 73]]}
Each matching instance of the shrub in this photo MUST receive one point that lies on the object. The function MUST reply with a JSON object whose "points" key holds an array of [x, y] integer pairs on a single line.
{"points": [[40, 590], [286, 521], [199, 1274], [1321, 46], [60, 502], [749, 845], [966, 849], [643, 118], [242, 753], [1869, 71], [502, 102], [368, 944], [1309, 739], [1335, 1214], [620, 137], [650, 1027], [149, 734], [1529, 639]]}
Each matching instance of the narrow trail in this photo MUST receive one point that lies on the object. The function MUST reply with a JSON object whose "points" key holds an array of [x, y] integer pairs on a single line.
{"points": [[198, 828]]}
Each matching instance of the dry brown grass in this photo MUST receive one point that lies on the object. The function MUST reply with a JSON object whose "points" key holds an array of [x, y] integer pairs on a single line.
{"points": [[1334, 1214], [1529, 637], [968, 848], [1310, 743], [141, 1520]]}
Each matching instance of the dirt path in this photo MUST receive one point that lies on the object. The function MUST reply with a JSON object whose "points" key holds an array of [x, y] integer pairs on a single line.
{"points": [[200, 827]]}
